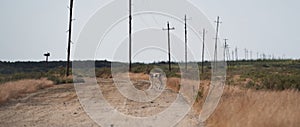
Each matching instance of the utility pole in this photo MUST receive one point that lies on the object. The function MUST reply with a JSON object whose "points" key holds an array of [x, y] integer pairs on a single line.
{"points": [[245, 54], [225, 49], [216, 39], [232, 54], [185, 37], [130, 34], [70, 36], [203, 47], [236, 54], [169, 47]]}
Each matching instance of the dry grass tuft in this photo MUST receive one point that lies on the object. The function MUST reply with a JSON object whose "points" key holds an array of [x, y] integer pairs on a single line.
{"points": [[249, 108], [173, 84], [16, 89], [138, 76]]}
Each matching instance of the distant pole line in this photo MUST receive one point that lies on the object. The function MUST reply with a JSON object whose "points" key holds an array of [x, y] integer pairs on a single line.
{"points": [[203, 47], [70, 37], [216, 40], [130, 35], [169, 47]]}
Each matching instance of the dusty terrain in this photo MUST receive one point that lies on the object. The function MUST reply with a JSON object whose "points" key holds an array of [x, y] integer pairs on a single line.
{"points": [[58, 105]]}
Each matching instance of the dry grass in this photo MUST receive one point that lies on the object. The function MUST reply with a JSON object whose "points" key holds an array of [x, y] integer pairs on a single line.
{"points": [[249, 108], [173, 84], [138, 76], [16, 89]]}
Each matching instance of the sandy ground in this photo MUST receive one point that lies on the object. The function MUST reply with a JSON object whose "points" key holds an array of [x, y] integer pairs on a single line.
{"points": [[59, 106], [55, 106]]}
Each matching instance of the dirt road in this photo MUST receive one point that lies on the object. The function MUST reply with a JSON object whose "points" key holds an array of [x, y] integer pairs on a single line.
{"points": [[59, 106]]}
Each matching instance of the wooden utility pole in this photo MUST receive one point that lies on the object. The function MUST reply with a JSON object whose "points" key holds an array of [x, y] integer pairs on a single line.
{"points": [[236, 54], [246, 54], [203, 47], [227, 53], [130, 34], [186, 40], [225, 49], [216, 39], [232, 53], [70, 36], [169, 47]]}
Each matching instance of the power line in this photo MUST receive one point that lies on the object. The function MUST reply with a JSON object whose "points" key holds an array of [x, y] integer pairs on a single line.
{"points": [[169, 48]]}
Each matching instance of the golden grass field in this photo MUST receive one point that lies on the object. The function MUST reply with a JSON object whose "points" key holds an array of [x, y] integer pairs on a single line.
{"points": [[13, 90], [250, 108]]}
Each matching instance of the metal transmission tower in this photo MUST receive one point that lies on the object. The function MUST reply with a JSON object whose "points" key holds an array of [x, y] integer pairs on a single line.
{"points": [[203, 47], [185, 38], [169, 48], [216, 39], [130, 34], [70, 36]]}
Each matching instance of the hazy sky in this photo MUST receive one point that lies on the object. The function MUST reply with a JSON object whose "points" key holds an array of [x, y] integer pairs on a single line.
{"points": [[30, 28]]}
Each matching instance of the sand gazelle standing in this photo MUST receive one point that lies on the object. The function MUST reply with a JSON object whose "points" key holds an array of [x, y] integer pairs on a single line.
{"points": [[156, 80]]}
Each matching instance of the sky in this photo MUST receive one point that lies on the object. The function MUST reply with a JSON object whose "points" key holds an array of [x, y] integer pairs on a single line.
{"points": [[30, 28]]}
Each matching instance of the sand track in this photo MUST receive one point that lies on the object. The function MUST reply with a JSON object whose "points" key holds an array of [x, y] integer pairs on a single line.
{"points": [[59, 106]]}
